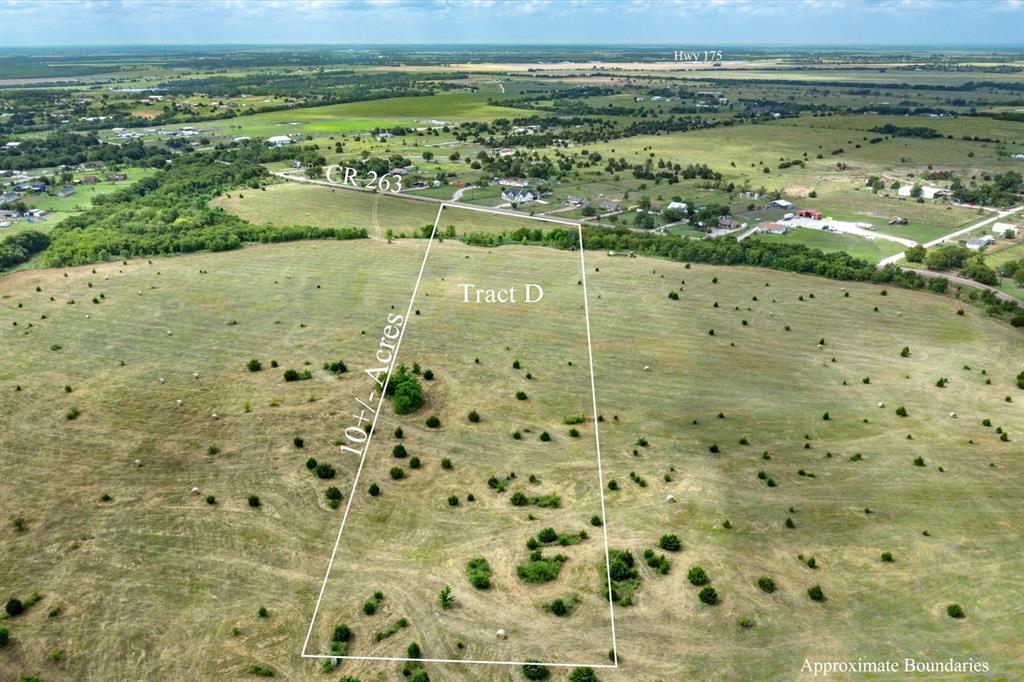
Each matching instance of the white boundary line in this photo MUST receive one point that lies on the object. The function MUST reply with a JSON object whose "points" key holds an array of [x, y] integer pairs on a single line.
{"points": [[373, 430]]}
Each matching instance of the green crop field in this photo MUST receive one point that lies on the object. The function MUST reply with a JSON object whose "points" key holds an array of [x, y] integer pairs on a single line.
{"points": [[712, 412]]}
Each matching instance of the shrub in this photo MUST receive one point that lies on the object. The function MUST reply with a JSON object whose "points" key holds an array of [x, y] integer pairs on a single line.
{"points": [[919, 461], [73, 413], [428, 375], [596, 521], [673, 295], [342, 633], [558, 607], [790, 523], [659, 562], [14, 607], [311, 463], [766, 584], [574, 419], [453, 500], [298, 442], [5, 636], [713, 448], [254, 365], [261, 671], [295, 375], [519, 499], [210, 499], [370, 607], [333, 494], [583, 675], [670, 543], [336, 367], [473, 416], [374, 490], [407, 394], [521, 395], [479, 573], [324, 470], [399, 451], [613, 484], [708, 595], [901, 411], [545, 436], [535, 671], [413, 651], [415, 463], [254, 501], [573, 433], [539, 569], [905, 353], [955, 611], [816, 593], [697, 576], [396, 473], [887, 557], [433, 421], [262, 612]]}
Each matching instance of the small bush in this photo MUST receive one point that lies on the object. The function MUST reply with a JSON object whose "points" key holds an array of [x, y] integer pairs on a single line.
{"points": [[887, 557], [298, 442], [415, 463], [583, 675], [396, 473], [324, 470], [453, 500], [73, 413], [596, 521], [210, 499], [374, 490], [697, 576], [901, 411], [5, 636], [816, 593], [473, 416], [262, 612], [295, 375], [311, 463], [254, 501], [342, 633], [545, 436], [261, 671], [521, 395], [14, 607], [766, 584], [433, 421], [479, 573], [535, 671], [955, 611], [670, 543], [254, 365], [399, 451], [708, 595]]}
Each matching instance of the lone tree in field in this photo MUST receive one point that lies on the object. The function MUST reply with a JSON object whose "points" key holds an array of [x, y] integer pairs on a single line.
{"points": [[708, 595], [445, 598], [535, 671], [955, 611], [816, 593]]}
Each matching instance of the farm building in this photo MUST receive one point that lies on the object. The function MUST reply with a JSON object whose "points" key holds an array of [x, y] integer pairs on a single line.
{"points": [[609, 205], [980, 242], [771, 228], [575, 201], [519, 196], [676, 206], [513, 182], [118, 177], [807, 213], [66, 192], [8, 197], [89, 180], [782, 203], [279, 140]]}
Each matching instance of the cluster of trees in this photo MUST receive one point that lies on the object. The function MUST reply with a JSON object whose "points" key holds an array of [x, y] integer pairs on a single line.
{"points": [[405, 391], [16, 249], [167, 213], [71, 149], [1003, 190]]}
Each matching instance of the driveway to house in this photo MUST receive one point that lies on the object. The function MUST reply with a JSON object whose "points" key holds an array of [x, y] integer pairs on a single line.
{"points": [[952, 235]]}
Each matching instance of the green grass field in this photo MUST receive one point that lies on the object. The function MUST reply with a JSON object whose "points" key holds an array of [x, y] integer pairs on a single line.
{"points": [[156, 583], [858, 247]]}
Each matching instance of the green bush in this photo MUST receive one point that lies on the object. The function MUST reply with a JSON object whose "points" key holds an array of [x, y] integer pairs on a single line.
{"points": [[374, 490], [413, 651], [5, 636], [295, 375], [955, 611], [816, 593], [399, 451], [14, 607], [342, 633], [254, 365], [433, 421], [324, 470], [535, 671], [708, 595], [453, 500], [539, 569], [298, 442], [396, 473], [474, 416], [415, 463], [583, 675], [545, 436], [521, 395], [254, 501], [697, 576], [766, 584], [210, 499], [670, 543], [479, 573]]}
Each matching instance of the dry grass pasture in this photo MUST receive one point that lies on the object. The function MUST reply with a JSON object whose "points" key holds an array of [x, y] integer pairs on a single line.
{"points": [[154, 583]]}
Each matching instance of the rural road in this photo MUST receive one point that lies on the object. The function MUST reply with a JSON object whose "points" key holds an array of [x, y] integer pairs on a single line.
{"points": [[957, 279]]}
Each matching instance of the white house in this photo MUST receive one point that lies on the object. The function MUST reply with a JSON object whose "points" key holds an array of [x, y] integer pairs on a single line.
{"points": [[279, 140], [676, 206], [519, 196], [1002, 228], [782, 203], [980, 242]]}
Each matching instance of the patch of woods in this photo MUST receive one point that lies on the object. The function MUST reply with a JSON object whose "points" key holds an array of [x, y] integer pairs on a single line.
{"points": [[167, 213]]}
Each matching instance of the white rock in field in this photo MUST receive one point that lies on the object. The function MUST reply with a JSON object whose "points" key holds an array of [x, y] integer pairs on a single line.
{"points": [[670, 498], [820, 346], [501, 634], [106, 277]]}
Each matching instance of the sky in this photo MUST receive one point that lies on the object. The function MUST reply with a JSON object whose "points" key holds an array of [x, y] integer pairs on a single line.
{"points": [[685, 24]]}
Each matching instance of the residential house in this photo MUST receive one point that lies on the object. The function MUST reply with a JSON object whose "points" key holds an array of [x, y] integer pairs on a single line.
{"points": [[1003, 229], [782, 203], [771, 228], [118, 177], [519, 196], [89, 180], [676, 206], [575, 201], [980, 242], [609, 206], [927, 191], [279, 141], [65, 192], [9, 198]]}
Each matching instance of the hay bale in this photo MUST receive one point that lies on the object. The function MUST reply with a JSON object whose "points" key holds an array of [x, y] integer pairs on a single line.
{"points": [[501, 634], [647, 368], [178, 402], [670, 499], [137, 463], [168, 332], [952, 415], [161, 380], [881, 404], [195, 375], [215, 415], [195, 490]]}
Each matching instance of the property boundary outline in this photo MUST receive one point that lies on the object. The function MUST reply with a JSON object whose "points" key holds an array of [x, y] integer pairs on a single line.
{"points": [[373, 430]]}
